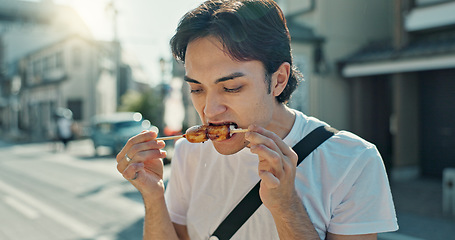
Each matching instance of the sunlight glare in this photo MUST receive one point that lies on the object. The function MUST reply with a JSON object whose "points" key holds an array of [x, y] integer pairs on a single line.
{"points": [[96, 16]]}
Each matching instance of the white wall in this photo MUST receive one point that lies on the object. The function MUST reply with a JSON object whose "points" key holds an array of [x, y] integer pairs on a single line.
{"points": [[346, 26]]}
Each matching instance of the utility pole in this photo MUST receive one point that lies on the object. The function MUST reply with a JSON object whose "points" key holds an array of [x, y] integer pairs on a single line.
{"points": [[400, 37], [404, 95], [116, 48]]}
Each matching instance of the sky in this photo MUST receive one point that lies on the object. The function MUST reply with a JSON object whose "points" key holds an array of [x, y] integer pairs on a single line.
{"points": [[144, 26]]}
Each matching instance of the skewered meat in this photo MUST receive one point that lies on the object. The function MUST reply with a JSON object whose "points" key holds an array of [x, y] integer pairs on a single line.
{"points": [[202, 133], [196, 134]]}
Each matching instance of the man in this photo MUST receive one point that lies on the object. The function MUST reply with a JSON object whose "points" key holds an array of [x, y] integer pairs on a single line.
{"points": [[238, 64], [64, 126]]}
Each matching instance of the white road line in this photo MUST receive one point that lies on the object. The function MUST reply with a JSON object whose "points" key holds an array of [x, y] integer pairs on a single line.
{"points": [[21, 207], [107, 168], [77, 226]]}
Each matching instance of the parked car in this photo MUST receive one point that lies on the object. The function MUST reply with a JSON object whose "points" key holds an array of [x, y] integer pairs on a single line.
{"points": [[114, 130]]}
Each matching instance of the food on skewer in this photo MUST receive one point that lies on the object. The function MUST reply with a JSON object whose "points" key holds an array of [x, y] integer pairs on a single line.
{"points": [[196, 134], [202, 133]]}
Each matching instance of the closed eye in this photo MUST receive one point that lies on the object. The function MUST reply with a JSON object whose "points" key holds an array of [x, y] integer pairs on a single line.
{"points": [[232, 90], [196, 91]]}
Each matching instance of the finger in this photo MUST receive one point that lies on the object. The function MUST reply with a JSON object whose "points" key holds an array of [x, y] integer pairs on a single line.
{"points": [[269, 160], [266, 149], [269, 180], [130, 172], [148, 155], [141, 156], [257, 138], [144, 136], [144, 146], [135, 176], [147, 158], [270, 156], [121, 165], [141, 137], [282, 146]]}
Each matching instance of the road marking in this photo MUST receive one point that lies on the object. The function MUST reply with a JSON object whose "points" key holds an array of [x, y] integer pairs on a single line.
{"points": [[22, 208], [77, 226], [107, 168]]}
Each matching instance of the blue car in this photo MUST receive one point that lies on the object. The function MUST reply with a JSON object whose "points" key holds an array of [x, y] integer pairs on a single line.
{"points": [[114, 130]]}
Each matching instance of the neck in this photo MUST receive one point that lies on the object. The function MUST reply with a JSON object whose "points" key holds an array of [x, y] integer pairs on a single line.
{"points": [[282, 120]]}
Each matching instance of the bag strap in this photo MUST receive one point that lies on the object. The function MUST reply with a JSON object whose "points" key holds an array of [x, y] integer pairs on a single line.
{"points": [[252, 201]]}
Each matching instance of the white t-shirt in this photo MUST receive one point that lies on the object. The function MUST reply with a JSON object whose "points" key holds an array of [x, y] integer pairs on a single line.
{"points": [[64, 127], [343, 185]]}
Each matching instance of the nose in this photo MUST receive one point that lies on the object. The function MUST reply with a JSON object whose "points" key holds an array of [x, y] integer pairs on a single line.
{"points": [[214, 105]]}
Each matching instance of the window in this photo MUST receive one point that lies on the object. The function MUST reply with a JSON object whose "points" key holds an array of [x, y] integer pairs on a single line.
{"points": [[37, 68], [76, 106], [47, 63], [77, 57], [59, 60]]}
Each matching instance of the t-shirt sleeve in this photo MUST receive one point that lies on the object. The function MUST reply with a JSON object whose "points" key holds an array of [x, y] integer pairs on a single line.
{"points": [[364, 202], [177, 190]]}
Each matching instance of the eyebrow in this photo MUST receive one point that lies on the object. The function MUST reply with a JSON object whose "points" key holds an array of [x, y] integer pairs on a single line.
{"points": [[222, 79]]}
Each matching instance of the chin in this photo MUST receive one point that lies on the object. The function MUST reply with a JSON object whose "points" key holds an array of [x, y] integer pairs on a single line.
{"points": [[229, 149]]}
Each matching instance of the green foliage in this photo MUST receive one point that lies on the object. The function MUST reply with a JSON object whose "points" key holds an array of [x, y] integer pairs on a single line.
{"points": [[148, 103]]}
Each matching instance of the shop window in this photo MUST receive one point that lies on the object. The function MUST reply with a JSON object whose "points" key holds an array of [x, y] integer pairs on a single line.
{"points": [[76, 106]]}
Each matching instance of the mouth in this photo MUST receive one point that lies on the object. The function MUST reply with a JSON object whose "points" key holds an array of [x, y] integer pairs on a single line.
{"points": [[230, 124], [222, 131]]}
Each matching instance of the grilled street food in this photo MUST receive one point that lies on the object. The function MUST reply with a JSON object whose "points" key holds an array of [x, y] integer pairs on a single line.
{"points": [[196, 134], [202, 133]]}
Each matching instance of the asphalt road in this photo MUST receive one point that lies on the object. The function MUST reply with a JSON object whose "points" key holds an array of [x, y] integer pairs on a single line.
{"points": [[48, 194]]}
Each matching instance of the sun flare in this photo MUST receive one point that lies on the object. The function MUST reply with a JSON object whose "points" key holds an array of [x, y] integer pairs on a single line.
{"points": [[97, 16]]}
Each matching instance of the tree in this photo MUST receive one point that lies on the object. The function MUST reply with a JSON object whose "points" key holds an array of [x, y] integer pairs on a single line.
{"points": [[149, 103]]}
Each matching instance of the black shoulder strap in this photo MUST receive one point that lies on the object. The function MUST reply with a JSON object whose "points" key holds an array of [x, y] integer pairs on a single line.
{"points": [[251, 202]]}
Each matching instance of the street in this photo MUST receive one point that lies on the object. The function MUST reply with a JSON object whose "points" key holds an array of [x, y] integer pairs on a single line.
{"points": [[48, 194]]}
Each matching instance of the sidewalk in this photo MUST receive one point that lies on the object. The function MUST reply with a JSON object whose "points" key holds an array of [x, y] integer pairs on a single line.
{"points": [[4, 144], [418, 205]]}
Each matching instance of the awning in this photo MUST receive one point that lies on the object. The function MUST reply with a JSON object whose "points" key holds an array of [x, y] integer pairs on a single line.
{"points": [[433, 16], [399, 66], [425, 53]]}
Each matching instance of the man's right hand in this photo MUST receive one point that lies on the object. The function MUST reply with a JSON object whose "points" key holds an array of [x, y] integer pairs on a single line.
{"points": [[145, 168]]}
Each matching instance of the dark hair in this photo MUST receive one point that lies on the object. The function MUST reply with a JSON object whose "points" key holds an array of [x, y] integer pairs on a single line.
{"points": [[248, 29]]}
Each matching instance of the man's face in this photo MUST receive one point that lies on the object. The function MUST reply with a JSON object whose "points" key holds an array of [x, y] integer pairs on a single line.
{"points": [[224, 90]]}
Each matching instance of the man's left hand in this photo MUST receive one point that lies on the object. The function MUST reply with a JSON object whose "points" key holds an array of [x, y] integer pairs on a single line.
{"points": [[276, 168]]}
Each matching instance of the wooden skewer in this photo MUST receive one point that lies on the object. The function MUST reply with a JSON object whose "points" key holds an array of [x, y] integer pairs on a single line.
{"points": [[240, 130], [170, 137]]}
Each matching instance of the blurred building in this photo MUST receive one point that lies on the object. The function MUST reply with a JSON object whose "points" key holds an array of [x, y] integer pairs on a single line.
{"points": [[403, 90], [381, 69], [191, 117], [322, 33], [50, 60], [73, 73], [384, 70]]}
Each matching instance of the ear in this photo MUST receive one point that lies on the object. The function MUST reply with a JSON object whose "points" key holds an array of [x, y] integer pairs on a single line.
{"points": [[280, 78]]}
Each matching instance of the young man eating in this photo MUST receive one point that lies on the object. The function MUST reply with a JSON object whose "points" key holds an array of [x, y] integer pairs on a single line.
{"points": [[239, 68]]}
